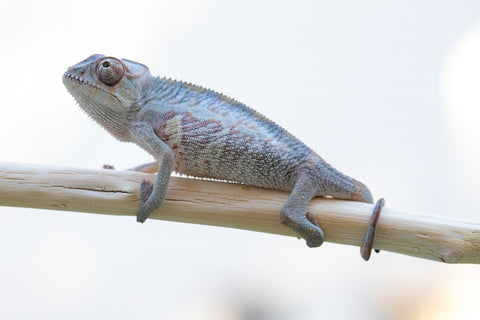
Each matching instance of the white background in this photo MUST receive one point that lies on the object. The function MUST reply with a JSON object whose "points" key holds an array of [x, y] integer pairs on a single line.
{"points": [[387, 92]]}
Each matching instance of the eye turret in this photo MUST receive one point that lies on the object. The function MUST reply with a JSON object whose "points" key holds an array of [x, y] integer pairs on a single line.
{"points": [[110, 70]]}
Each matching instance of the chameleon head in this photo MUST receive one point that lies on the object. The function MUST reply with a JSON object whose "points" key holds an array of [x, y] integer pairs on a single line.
{"points": [[107, 88], [113, 83]]}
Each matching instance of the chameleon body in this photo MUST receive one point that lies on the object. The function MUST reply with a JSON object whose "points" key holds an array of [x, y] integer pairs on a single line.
{"points": [[201, 133]]}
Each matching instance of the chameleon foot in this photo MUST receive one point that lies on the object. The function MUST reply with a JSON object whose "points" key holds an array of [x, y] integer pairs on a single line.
{"points": [[294, 215], [108, 166], [306, 226], [366, 249]]}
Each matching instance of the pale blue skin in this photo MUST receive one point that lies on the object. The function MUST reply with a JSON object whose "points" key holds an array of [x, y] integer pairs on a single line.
{"points": [[201, 133]]}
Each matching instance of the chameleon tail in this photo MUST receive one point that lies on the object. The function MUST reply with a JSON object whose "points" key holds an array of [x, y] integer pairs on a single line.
{"points": [[340, 186]]}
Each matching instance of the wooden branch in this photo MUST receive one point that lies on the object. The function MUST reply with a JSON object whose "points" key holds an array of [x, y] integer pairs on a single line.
{"points": [[235, 206]]}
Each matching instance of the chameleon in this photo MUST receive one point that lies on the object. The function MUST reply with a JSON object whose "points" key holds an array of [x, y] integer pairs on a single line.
{"points": [[201, 133]]}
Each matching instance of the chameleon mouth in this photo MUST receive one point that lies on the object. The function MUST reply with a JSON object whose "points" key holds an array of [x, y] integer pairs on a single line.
{"points": [[78, 80], [71, 80]]}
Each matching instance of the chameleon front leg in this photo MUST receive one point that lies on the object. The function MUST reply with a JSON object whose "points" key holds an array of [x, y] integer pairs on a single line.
{"points": [[293, 214], [153, 195]]}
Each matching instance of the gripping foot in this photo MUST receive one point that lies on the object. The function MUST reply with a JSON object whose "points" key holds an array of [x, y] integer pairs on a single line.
{"points": [[366, 249]]}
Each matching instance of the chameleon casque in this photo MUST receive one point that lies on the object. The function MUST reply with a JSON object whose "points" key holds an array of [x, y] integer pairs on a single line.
{"points": [[201, 133]]}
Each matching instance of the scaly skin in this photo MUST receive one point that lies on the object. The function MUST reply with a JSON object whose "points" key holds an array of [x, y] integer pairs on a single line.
{"points": [[201, 133]]}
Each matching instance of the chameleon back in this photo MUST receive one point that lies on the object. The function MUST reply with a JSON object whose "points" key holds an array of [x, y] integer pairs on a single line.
{"points": [[213, 136]]}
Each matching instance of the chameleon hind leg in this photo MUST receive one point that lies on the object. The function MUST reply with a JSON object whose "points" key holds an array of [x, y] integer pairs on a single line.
{"points": [[151, 167], [293, 214]]}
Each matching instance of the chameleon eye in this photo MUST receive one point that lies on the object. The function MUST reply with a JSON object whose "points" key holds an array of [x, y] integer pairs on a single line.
{"points": [[110, 71]]}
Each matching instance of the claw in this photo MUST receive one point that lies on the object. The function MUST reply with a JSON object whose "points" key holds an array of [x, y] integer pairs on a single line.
{"points": [[366, 249], [141, 216]]}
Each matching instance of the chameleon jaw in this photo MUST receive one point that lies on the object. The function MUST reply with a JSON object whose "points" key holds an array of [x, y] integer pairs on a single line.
{"points": [[71, 80]]}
